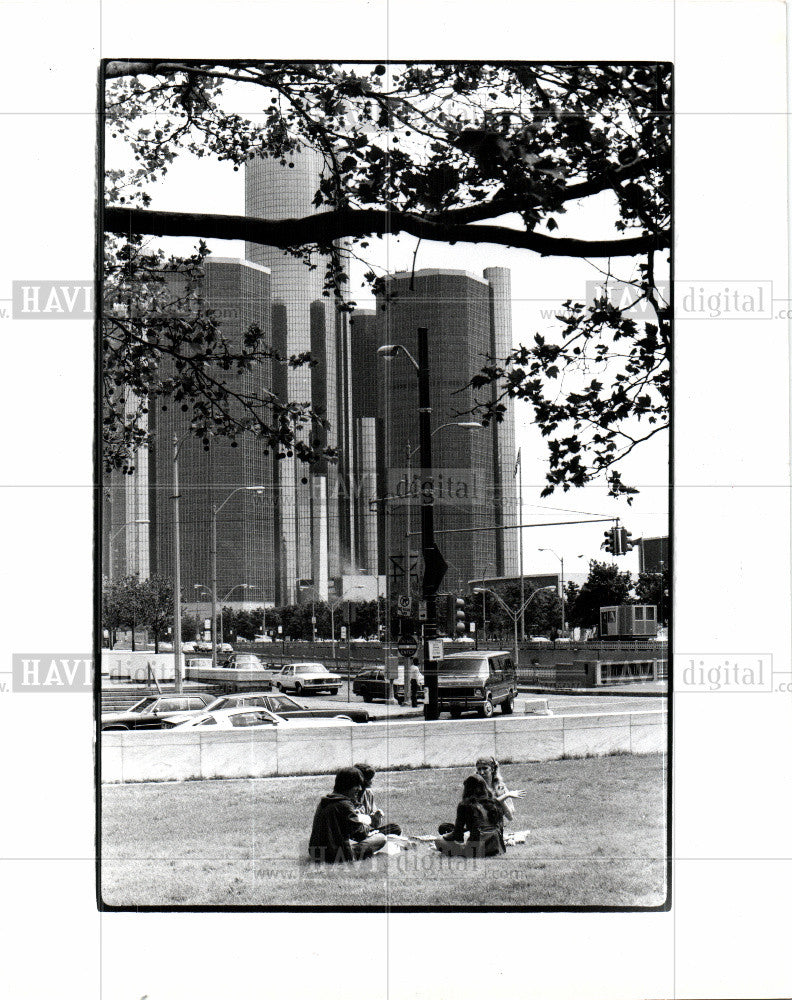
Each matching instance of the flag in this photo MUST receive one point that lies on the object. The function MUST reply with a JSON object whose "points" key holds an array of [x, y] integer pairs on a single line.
{"points": [[518, 462]]}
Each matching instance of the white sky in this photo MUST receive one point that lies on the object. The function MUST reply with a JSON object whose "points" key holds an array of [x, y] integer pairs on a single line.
{"points": [[538, 284]]}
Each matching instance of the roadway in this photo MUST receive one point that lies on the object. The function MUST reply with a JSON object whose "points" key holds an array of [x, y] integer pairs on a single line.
{"points": [[559, 704]]}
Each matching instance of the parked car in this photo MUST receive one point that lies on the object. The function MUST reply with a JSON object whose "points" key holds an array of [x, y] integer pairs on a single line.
{"points": [[373, 684], [307, 677], [206, 647], [248, 717], [149, 712], [280, 704], [243, 661]]}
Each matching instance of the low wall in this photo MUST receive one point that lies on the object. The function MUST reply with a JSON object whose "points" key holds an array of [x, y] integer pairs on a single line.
{"points": [[168, 755], [123, 664]]}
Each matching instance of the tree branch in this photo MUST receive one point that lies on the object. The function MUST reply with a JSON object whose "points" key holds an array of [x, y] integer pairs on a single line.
{"points": [[324, 227]]}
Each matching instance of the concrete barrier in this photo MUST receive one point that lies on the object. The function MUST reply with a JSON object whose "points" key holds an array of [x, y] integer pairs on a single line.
{"points": [[170, 755]]}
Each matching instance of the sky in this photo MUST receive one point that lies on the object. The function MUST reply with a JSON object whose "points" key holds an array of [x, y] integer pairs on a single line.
{"points": [[539, 286]]}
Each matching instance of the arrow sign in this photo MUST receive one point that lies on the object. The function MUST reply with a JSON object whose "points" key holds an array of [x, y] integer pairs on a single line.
{"points": [[435, 568]]}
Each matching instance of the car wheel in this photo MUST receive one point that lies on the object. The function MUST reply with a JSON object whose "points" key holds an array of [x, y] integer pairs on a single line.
{"points": [[508, 706], [298, 688], [278, 686], [115, 729], [430, 714], [333, 690], [456, 713], [487, 708], [367, 697]]}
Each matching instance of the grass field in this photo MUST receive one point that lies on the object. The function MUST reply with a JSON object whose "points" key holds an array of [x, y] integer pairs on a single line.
{"points": [[597, 838]]}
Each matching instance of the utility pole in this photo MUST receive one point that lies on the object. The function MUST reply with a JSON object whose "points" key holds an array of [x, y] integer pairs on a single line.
{"points": [[434, 564], [177, 636], [517, 464], [214, 583]]}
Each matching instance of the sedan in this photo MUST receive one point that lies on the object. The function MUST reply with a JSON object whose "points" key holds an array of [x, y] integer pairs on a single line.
{"points": [[307, 677], [371, 684], [243, 661], [149, 712], [280, 704], [250, 717]]}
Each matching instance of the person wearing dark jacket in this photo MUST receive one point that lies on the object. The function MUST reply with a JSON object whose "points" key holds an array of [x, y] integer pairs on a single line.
{"points": [[337, 833], [479, 815]]}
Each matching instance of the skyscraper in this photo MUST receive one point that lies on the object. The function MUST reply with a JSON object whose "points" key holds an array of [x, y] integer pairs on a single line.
{"points": [[247, 568], [317, 526], [469, 320]]}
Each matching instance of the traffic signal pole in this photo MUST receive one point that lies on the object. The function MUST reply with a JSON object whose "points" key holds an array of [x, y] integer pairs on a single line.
{"points": [[430, 584]]}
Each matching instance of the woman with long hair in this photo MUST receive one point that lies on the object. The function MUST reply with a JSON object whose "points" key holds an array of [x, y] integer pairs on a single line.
{"points": [[480, 816], [489, 769]]}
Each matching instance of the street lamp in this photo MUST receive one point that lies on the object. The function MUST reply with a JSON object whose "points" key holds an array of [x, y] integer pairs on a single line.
{"points": [[561, 559], [215, 511], [514, 615], [434, 564], [244, 586]]}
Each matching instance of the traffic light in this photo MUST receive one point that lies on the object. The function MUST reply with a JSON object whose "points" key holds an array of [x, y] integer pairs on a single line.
{"points": [[627, 540], [459, 623], [612, 542], [451, 615]]}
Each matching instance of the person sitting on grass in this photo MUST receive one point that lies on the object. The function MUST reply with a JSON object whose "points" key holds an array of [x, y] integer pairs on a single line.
{"points": [[489, 769], [367, 807], [479, 815], [338, 834]]}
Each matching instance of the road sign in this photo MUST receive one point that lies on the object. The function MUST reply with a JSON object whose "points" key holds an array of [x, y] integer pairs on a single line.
{"points": [[343, 632], [403, 607], [407, 647], [434, 649], [422, 611]]}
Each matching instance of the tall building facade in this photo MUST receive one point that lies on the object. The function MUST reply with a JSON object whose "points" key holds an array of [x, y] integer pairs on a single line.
{"points": [[469, 320], [368, 431], [317, 530], [240, 480]]}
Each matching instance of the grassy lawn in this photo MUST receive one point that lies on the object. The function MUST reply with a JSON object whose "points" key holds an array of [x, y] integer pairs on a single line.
{"points": [[597, 838]]}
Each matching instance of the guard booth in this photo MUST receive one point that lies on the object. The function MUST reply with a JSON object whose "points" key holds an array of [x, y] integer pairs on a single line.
{"points": [[629, 621]]}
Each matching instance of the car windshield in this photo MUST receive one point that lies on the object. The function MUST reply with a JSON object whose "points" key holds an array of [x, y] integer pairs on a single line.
{"points": [[310, 668], [144, 705], [463, 665], [282, 702], [219, 703]]}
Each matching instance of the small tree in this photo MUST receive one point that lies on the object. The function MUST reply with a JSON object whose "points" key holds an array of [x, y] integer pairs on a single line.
{"points": [[155, 597], [543, 614], [655, 588], [123, 600], [605, 586]]}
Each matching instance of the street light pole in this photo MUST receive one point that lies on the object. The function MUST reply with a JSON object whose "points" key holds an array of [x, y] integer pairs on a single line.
{"points": [[563, 596], [517, 464], [434, 564], [515, 615], [429, 586], [215, 511], [177, 637]]}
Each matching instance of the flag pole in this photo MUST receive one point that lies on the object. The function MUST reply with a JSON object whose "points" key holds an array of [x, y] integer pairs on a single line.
{"points": [[518, 464]]}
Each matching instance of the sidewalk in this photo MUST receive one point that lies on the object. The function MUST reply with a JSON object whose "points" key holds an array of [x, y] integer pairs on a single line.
{"points": [[645, 689]]}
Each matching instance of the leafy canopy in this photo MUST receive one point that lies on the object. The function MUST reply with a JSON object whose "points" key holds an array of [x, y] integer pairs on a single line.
{"points": [[454, 153]]}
